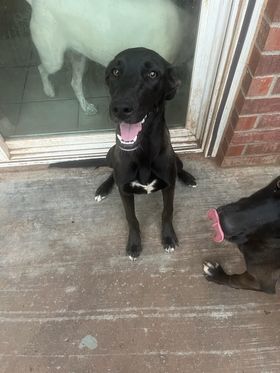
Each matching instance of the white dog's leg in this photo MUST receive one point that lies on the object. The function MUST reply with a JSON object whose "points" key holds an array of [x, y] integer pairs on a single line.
{"points": [[47, 85], [78, 65], [50, 46]]}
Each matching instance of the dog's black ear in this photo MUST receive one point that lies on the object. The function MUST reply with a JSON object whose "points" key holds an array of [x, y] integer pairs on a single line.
{"points": [[172, 83]]}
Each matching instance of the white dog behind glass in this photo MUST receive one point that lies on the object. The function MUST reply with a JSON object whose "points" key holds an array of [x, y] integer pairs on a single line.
{"points": [[100, 29]]}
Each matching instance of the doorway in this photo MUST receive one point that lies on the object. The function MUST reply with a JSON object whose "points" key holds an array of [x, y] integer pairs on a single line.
{"points": [[193, 35]]}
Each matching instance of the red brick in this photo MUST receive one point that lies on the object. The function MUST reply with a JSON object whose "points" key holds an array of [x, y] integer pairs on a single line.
{"points": [[263, 33], [254, 60], [259, 86], [269, 121], [247, 78], [219, 157], [273, 40], [245, 123], [261, 105], [273, 10], [258, 149], [267, 65], [239, 103], [250, 161], [234, 119], [235, 150], [276, 89], [228, 134], [240, 138]]}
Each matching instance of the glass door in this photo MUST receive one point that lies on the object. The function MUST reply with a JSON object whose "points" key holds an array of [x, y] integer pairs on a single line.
{"points": [[53, 98]]}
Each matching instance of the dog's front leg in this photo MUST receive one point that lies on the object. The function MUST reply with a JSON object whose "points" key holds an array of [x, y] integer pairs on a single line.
{"points": [[169, 239], [215, 273], [133, 248], [78, 68]]}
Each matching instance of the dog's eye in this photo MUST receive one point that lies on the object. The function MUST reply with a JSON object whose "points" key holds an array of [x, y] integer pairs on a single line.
{"points": [[116, 72], [153, 74]]}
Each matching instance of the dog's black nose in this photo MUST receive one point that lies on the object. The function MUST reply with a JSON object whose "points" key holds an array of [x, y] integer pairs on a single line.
{"points": [[122, 110]]}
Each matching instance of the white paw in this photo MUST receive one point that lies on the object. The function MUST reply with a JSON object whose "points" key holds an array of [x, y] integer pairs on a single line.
{"points": [[99, 198], [208, 268], [169, 249], [89, 108], [132, 258], [49, 90]]}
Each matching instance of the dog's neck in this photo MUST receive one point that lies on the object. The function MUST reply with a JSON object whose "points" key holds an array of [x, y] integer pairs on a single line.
{"points": [[155, 138]]}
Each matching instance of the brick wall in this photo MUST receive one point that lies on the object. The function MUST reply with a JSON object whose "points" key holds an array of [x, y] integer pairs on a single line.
{"points": [[252, 135]]}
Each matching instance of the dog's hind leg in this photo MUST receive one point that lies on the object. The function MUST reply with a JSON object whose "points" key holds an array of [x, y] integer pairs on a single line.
{"points": [[183, 175], [169, 238], [215, 273], [78, 66], [105, 188], [50, 46]]}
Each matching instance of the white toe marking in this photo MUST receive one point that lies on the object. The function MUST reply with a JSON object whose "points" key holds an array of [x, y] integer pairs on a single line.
{"points": [[99, 198], [169, 249], [132, 258], [206, 268], [148, 187]]}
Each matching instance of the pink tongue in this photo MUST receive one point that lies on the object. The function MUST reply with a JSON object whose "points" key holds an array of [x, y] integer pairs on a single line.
{"points": [[214, 216], [130, 130]]}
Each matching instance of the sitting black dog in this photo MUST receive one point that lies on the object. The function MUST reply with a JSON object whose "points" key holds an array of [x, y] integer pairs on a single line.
{"points": [[143, 159], [253, 224]]}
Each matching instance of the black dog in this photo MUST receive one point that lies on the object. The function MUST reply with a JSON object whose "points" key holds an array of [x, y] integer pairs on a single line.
{"points": [[252, 223], [143, 159]]}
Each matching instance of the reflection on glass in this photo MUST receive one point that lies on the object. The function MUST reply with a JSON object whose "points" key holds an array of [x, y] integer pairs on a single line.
{"points": [[58, 35]]}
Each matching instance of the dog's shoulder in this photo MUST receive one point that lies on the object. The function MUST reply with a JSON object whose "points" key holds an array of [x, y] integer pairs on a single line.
{"points": [[263, 246]]}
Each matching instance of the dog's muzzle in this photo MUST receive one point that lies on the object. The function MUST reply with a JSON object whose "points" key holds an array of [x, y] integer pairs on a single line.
{"points": [[128, 136]]}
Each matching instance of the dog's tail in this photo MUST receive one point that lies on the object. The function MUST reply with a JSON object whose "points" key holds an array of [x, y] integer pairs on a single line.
{"points": [[99, 162]]}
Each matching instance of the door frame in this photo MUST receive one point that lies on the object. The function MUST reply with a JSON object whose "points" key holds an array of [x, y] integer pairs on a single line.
{"points": [[212, 61]]}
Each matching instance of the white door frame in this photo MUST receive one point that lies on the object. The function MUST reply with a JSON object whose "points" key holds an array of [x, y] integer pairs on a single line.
{"points": [[218, 32]]}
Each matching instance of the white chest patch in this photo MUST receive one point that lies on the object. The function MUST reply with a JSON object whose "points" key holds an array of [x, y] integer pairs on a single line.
{"points": [[148, 187]]}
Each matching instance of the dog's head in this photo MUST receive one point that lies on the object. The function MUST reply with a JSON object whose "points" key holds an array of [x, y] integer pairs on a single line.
{"points": [[237, 221], [139, 82]]}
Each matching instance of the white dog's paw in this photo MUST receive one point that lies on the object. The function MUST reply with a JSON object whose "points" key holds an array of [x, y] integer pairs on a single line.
{"points": [[89, 108], [49, 90]]}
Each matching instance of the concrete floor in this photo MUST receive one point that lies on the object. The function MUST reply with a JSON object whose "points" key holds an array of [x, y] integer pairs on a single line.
{"points": [[72, 302]]}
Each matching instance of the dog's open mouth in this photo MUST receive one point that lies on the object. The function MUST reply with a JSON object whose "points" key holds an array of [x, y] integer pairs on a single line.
{"points": [[219, 233], [129, 134]]}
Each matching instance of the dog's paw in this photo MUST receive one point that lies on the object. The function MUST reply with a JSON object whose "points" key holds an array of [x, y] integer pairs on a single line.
{"points": [[89, 108], [169, 238], [133, 247], [169, 249], [49, 90], [214, 272], [187, 178], [169, 243], [99, 197], [132, 258], [133, 251]]}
